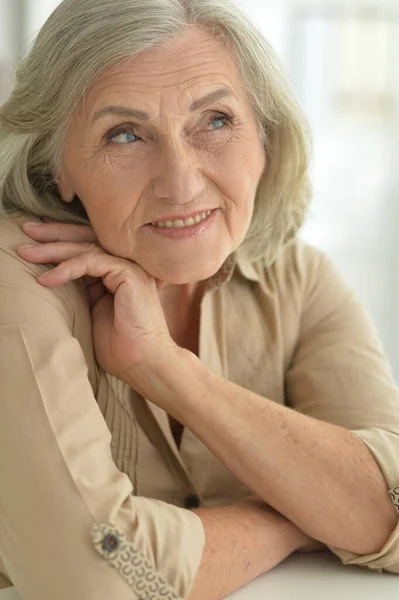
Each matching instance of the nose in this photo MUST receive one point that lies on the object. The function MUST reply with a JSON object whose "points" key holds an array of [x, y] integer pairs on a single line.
{"points": [[178, 179]]}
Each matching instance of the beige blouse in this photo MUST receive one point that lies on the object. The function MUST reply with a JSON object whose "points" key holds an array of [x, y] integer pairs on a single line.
{"points": [[95, 496]]}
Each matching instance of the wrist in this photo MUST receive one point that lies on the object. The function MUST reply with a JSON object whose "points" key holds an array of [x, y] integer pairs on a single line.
{"points": [[299, 540], [291, 536], [166, 379]]}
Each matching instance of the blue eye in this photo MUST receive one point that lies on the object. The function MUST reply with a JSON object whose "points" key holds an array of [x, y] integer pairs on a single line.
{"points": [[224, 119], [123, 137], [126, 136]]}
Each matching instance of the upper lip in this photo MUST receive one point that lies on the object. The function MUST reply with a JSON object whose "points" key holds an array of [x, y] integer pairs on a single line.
{"points": [[179, 217]]}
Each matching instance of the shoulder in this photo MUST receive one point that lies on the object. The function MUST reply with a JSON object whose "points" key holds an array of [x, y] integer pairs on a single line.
{"points": [[296, 268], [303, 277], [24, 301], [20, 276], [298, 261]]}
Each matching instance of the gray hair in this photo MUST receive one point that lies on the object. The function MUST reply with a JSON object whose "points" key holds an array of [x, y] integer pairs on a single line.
{"points": [[83, 38]]}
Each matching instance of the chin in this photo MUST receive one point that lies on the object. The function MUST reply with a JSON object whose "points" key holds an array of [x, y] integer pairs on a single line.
{"points": [[185, 275]]}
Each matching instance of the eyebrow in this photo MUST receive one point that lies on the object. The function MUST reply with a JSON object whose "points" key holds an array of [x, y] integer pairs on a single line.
{"points": [[135, 113]]}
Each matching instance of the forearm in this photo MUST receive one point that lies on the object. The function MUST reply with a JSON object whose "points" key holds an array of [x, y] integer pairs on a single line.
{"points": [[319, 475], [242, 542]]}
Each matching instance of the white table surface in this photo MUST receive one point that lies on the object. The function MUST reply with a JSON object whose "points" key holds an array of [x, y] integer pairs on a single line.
{"points": [[314, 576]]}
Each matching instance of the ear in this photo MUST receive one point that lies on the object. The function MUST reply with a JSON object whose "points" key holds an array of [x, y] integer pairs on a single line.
{"points": [[66, 192]]}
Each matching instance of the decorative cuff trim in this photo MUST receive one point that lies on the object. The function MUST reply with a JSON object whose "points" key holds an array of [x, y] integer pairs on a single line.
{"points": [[394, 493], [146, 582]]}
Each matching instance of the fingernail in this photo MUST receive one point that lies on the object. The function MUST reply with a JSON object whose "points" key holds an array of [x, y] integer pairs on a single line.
{"points": [[46, 273], [28, 245], [33, 224]]}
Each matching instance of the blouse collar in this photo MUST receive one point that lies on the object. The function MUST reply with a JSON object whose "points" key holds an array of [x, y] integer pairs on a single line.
{"points": [[235, 260]]}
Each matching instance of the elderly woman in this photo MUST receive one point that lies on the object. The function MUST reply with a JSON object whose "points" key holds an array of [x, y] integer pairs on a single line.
{"points": [[191, 393]]}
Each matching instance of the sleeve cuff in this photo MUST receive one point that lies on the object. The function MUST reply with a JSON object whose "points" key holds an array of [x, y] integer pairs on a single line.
{"points": [[131, 563], [160, 553], [394, 493]]}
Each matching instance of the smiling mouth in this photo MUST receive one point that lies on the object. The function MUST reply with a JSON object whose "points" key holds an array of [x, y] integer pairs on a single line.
{"points": [[179, 222]]}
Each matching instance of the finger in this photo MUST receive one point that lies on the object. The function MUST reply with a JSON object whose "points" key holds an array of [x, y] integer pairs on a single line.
{"points": [[59, 232], [96, 291], [111, 269], [55, 252]]}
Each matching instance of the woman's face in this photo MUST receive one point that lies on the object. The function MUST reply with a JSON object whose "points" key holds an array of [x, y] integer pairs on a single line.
{"points": [[184, 156]]}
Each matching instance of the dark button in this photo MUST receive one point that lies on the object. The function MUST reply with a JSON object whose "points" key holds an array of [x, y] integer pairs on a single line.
{"points": [[110, 543], [192, 501]]}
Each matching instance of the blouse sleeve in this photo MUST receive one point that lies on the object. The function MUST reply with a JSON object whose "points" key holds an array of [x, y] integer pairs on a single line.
{"points": [[339, 374], [69, 524]]}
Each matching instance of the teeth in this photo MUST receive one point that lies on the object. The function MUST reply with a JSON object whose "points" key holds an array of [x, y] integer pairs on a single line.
{"points": [[185, 223]]}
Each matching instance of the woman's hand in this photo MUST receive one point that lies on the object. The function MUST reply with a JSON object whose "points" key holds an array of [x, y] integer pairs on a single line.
{"points": [[130, 332]]}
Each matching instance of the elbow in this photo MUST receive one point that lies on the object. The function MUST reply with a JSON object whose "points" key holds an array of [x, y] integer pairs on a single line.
{"points": [[381, 526], [380, 555], [374, 533]]}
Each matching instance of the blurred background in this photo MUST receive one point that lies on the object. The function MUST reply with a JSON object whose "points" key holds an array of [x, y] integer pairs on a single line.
{"points": [[342, 57]]}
